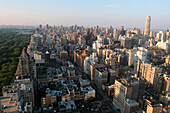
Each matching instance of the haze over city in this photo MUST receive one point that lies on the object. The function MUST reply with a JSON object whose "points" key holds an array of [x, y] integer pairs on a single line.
{"points": [[130, 13]]}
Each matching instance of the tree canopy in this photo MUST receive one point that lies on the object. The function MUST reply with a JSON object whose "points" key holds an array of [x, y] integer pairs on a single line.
{"points": [[11, 44]]}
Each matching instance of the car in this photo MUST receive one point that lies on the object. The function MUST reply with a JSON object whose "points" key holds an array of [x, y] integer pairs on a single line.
{"points": [[5, 106]]}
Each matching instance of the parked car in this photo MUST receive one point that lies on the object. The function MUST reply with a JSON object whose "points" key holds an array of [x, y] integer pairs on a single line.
{"points": [[5, 106]]}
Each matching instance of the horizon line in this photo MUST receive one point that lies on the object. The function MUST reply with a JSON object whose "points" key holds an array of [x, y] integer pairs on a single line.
{"points": [[35, 25]]}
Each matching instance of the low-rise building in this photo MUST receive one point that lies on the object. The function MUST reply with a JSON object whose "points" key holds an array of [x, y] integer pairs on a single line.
{"points": [[89, 92], [67, 107], [7, 105], [84, 82]]}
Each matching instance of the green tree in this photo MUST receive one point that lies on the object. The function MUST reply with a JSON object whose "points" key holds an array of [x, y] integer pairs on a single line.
{"points": [[11, 45]]}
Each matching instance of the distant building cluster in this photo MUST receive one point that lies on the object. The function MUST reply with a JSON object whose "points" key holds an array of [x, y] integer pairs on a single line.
{"points": [[71, 69]]}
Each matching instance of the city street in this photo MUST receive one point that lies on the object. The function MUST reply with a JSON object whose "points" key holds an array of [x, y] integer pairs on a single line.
{"points": [[99, 92]]}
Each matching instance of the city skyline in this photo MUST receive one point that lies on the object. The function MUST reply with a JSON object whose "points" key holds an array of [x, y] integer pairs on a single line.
{"points": [[128, 13], [100, 56]]}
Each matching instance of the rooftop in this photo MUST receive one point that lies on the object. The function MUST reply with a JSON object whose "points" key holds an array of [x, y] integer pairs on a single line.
{"points": [[111, 71], [11, 107], [88, 88], [154, 103], [85, 80], [127, 81], [132, 102], [68, 105], [101, 69]]}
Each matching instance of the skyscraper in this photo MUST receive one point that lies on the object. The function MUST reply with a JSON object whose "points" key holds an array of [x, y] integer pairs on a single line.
{"points": [[122, 31], [147, 26], [125, 88], [116, 34]]}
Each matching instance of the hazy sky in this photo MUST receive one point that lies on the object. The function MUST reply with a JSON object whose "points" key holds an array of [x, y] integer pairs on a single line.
{"points": [[130, 13]]}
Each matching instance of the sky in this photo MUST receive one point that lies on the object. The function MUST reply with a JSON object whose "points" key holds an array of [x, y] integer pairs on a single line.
{"points": [[89, 13]]}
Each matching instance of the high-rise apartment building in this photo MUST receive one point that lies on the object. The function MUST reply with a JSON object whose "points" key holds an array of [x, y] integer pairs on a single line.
{"points": [[122, 92], [122, 31], [131, 106], [131, 53], [116, 34], [82, 41], [147, 26], [126, 42], [153, 107], [151, 34], [149, 72], [125, 89], [101, 76], [141, 55]]}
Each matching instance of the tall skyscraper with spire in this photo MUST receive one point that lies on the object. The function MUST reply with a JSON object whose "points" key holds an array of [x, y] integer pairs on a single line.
{"points": [[147, 26]]}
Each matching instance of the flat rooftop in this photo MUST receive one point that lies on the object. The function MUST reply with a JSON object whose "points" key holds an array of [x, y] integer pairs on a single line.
{"points": [[11, 107], [132, 102], [88, 88]]}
